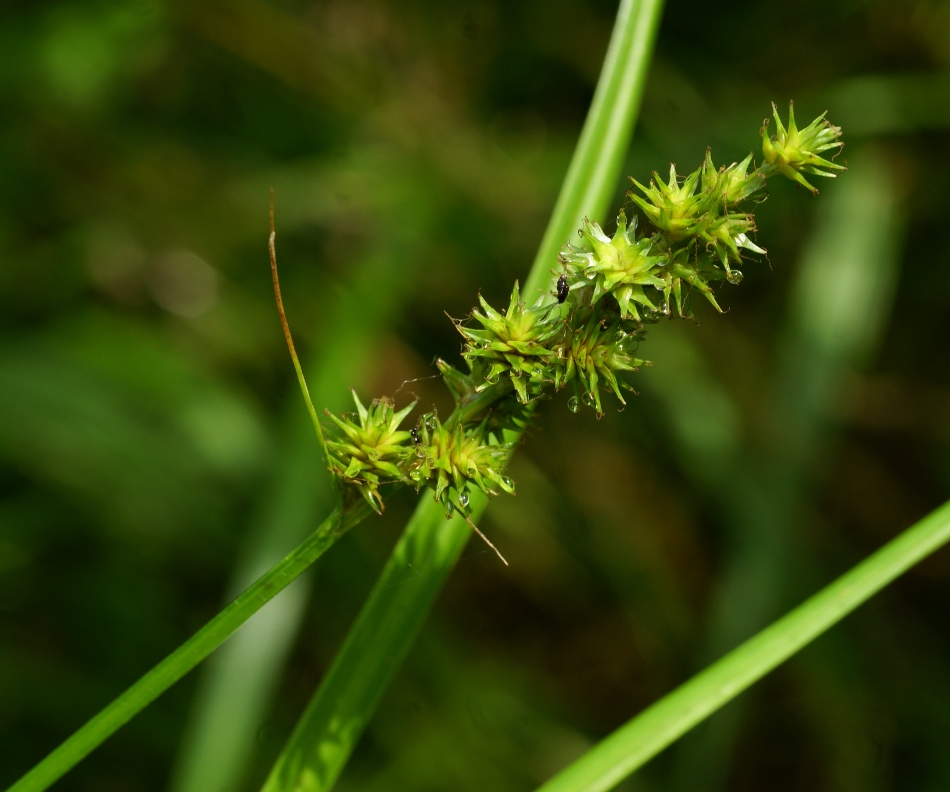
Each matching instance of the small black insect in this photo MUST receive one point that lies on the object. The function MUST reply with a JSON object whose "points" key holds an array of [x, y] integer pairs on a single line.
{"points": [[562, 289], [416, 439]]}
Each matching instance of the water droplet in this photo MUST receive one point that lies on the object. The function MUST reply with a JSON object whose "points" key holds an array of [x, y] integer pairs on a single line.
{"points": [[428, 424], [665, 307], [573, 405], [507, 482], [619, 336], [539, 373], [589, 399], [734, 276], [463, 499], [449, 507]]}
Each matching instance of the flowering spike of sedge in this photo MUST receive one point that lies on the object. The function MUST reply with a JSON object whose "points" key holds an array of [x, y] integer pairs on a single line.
{"points": [[700, 231], [290, 341], [794, 151]]}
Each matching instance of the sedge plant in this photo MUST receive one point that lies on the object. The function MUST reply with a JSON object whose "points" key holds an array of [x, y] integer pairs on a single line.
{"points": [[584, 334]]}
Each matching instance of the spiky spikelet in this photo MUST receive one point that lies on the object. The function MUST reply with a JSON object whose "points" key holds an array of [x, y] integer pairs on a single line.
{"points": [[698, 227], [686, 273], [512, 345], [593, 354], [505, 414], [619, 266], [727, 186], [586, 335], [794, 151], [727, 230], [450, 459], [676, 210], [371, 451]]}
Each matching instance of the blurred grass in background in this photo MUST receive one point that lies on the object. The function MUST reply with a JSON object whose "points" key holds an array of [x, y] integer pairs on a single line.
{"points": [[154, 452]]}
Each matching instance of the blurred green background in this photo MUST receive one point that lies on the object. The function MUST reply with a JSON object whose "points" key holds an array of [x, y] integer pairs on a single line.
{"points": [[155, 454]]}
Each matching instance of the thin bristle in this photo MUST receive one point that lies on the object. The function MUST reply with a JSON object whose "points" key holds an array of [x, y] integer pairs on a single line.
{"points": [[485, 540], [272, 247]]}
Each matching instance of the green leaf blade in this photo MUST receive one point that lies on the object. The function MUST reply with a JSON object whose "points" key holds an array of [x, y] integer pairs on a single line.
{"points": [[179, 662], [643, 737], [333, 722]]}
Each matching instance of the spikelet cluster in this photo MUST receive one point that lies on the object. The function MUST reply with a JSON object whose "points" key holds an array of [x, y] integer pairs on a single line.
{"points": [[698, 230]]}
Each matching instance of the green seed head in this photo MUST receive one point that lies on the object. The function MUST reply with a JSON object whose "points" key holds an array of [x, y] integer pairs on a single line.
{"points": [[513, 345], [368, 449], [699, 228], [620, 266], [793, 151], [726, 187], [592, 355], [675, 209], [451, 458]]}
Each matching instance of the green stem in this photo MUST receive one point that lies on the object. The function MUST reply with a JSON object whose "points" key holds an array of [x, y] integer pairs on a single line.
{"points": [[182, 660], [598, 159], [640, 739], [375, 647], [376, 644]]}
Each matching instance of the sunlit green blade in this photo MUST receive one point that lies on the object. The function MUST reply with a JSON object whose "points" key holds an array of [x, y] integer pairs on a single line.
{"points": [[179, 662], [632, 745], [840, 304], [592, 176], [334, 721], [231, 702], [374, 649], [233, 694]]}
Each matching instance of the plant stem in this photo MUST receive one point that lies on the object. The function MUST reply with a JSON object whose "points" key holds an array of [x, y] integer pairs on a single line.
{"points": [[592, 175], [375, 647], [633, 744], [376, 644], [182, 660]]}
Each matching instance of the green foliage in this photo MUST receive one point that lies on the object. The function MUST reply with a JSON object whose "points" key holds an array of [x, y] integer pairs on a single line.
{"points": [[155, 459]]}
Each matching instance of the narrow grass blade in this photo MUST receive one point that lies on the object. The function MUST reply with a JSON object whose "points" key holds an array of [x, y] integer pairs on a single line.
{"points": [[333, 722], [592, 175], [374, 649], [640, 739], [181, 661], [840, 304], [236, 687]]}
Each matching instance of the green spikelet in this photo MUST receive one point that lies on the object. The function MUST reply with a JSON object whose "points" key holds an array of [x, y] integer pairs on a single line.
{"points": [[371, 451], [699, 228], [593, 354], [794, 151], [620, 266], [699, 232], [450, 458], [513, 345]]}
